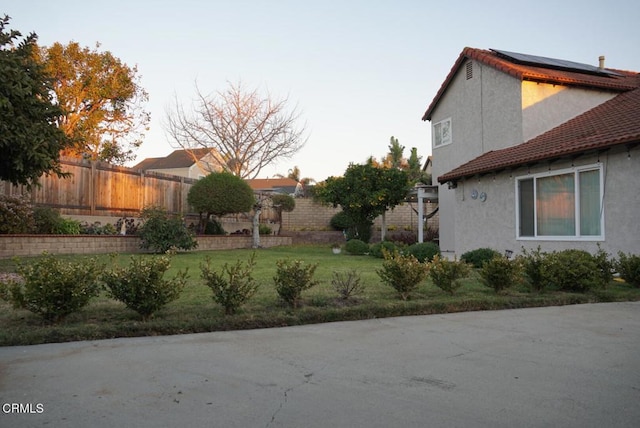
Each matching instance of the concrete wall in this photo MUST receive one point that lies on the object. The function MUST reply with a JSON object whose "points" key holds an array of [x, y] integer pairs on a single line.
{"points": [[34, 245], [492, 223], [310, 215]]}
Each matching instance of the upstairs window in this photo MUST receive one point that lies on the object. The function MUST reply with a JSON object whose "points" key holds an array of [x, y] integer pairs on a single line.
{"points": [[563, 205], [442, 133]]}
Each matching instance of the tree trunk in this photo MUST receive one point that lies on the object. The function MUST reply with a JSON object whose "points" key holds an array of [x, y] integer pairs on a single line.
{"points": [[256, 228]]}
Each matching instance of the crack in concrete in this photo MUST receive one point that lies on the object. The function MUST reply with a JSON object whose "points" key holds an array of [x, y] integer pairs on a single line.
{"points": [[285, 395]]}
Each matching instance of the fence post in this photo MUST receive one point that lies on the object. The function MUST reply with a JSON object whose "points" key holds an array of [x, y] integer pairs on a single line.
{"points": [[142, 189], [92, 187]]}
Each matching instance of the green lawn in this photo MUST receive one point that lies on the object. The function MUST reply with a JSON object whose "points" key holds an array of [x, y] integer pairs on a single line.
{"points": [[195, 311]]}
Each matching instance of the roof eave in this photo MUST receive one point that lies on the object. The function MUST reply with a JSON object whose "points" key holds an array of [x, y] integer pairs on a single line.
{"points": [[455, 177]]}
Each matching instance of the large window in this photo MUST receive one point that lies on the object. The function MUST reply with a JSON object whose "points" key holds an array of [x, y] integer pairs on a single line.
{"points": [[442, 133], [561, 205]]}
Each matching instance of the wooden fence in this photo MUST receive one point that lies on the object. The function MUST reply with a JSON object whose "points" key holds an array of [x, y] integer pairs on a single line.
{"points": [[101, 189]]}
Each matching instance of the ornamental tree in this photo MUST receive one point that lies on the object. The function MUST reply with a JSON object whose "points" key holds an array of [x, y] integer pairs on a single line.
{"points": [[218, 194], [282, 203], [245, 129], [364, 193], [30, 141]]}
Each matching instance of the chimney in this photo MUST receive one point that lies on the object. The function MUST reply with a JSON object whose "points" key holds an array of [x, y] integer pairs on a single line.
{"points": [[601, 62]]}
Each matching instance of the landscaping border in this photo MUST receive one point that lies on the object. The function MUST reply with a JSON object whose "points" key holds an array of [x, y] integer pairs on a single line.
{"points": [[34, 245]]}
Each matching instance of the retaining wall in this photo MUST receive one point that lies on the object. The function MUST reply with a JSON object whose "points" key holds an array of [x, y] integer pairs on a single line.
{"points": [[34, 245]]}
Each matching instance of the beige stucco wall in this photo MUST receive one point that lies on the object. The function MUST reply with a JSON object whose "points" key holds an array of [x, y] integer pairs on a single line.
{"points": [[545, 106], [493, 111], [486, 115], [492, 223]]}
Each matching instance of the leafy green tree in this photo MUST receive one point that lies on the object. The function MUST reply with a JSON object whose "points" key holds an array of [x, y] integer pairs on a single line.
{"points": [[220, 193], [395, 159], [102, 99], [30, 141], [364, 193]]}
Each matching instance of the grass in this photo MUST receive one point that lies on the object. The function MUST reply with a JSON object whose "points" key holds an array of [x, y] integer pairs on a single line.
{"points": [[195, 311]]}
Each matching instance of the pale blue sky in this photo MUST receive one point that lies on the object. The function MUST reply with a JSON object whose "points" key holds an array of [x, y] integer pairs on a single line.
{"points": [[360, 71]]}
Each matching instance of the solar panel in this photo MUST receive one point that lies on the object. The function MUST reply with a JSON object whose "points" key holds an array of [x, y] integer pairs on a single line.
{"points": [[560, 64]]}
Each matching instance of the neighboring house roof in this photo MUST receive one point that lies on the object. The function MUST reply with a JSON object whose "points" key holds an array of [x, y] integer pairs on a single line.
{"points": [[145, 164], [287, 185], [428, 164], [608, 79], [612, 123], [177, 159]]}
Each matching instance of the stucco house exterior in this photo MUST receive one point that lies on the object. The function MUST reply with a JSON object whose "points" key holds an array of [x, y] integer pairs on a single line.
{"points": [[195, 163], [531, 151]]}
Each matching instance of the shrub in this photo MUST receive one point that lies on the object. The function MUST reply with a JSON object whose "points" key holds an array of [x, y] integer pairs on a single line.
{"points": [[446, 274], [15, 215], [68, 226], [218, 194], [628, 266], [214, 227], [605, 265], [97, 229], [532, 263], [341, 221], [141, 286], [263, 229], [356, 247], [46, 220], [53, 288], [405, 237], [479, 256], [571, 270], [231, 293], [424, 251], [161, 231], [500, 273], [431, 234], [376, 250], [283, 202], [292, 278], [130, 226], [347, 284], [402, 272]]}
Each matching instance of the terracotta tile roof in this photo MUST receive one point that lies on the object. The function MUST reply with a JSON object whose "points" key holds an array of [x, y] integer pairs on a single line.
{"points": [[623, 81], [272, 183], [177, 159], [612, 123]]}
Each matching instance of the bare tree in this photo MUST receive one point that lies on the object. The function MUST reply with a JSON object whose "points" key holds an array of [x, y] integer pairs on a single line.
{"points": [[245, 130]]}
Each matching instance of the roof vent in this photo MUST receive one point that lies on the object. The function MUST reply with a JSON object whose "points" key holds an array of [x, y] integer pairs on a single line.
{"points": [[469, 66], [601, 62]]}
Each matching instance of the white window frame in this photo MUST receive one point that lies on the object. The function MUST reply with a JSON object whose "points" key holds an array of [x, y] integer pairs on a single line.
{"points": [[575, 171], [434, 133]]}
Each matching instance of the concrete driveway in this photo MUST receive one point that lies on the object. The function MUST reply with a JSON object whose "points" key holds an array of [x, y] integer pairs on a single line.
{"points": [[572, 366]]}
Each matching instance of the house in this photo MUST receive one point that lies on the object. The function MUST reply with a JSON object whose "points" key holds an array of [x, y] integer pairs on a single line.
{"points": [[531, 151], [284, 185], [195, 163]]}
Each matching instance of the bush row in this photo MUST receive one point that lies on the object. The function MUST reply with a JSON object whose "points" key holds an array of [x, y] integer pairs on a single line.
{"points": [[569, 270], [53, 288]]}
